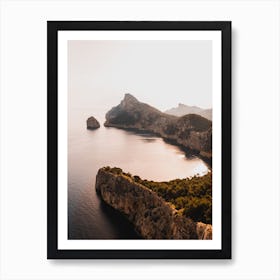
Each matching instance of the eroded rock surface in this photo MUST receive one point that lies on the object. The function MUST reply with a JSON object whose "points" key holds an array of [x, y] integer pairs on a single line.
{"points": [[151, 215]]}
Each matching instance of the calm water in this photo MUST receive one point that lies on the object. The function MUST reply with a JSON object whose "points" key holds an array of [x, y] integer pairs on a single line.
{"points": [[140, 154]]}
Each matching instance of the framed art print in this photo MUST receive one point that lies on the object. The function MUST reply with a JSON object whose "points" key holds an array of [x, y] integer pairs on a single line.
{"points": [[139, 140]]}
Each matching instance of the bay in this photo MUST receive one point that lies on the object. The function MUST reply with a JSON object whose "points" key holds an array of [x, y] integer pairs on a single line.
{"points": [[142, 154]]}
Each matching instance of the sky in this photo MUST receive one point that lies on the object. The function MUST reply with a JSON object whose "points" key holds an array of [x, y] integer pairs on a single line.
{"points": [[160, 73]]}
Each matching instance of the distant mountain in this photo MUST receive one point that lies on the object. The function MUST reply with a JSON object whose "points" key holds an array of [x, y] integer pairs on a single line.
{"points": [[183, 109], [192, 132]]}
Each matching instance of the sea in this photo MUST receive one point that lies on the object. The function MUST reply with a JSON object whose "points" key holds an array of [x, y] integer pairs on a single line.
{"points": [[142, 154]]}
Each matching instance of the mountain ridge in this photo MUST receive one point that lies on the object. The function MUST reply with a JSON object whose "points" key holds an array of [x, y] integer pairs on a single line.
{"points": [[183, 109]]}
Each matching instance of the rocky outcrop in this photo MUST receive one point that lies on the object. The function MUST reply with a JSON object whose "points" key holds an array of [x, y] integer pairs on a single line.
{"points": [[152, 216], [192, 132], [92, 123]]}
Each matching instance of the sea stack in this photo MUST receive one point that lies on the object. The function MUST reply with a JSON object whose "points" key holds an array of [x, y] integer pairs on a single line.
{"points": [[92, 123]]}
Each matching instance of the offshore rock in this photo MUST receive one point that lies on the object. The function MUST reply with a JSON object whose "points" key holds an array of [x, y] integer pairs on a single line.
{"points": [[92, 123]]}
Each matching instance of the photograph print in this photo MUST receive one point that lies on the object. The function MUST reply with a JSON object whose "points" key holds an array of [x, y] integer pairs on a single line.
{"points": [[139, 166]]}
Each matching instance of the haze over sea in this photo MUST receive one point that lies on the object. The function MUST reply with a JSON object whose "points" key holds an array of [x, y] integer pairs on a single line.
{"points": [[142, 154]]}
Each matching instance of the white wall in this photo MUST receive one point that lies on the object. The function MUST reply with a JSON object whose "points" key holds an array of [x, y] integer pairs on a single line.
{"points": [[255, 140]]}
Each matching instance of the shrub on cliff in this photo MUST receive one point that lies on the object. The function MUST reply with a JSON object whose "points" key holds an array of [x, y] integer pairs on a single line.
{"points": [[115, 170], [192, 195], [199, 209]]}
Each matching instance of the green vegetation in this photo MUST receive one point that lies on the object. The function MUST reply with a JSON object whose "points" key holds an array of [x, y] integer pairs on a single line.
{"points": [[191, 196]]}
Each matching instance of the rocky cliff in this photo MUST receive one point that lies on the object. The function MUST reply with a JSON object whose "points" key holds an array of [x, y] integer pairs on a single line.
{"points": [[192, 132], [92, 123], [152, 216]]}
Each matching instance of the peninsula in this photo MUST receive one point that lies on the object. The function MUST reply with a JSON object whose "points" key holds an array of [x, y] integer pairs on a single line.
{"points": [[148, 205], [191, 132]]}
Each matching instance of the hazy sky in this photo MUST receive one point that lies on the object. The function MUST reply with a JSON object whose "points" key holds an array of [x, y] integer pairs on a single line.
{"points": [[160, 73]]}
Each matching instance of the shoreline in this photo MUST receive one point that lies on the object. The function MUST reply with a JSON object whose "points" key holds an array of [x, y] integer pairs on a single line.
{"points": [[189, 153]]}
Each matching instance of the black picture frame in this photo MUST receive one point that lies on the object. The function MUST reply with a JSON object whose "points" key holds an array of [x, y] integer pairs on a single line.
{"points": [[53, 27]]}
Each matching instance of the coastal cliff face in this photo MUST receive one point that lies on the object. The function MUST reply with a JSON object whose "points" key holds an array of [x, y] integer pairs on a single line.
{"points": [[151, 215], [192, 132]]}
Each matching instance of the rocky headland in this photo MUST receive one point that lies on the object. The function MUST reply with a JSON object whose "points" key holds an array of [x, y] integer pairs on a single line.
{"points": [[92, 123], [191, 132], [152, 216]]}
